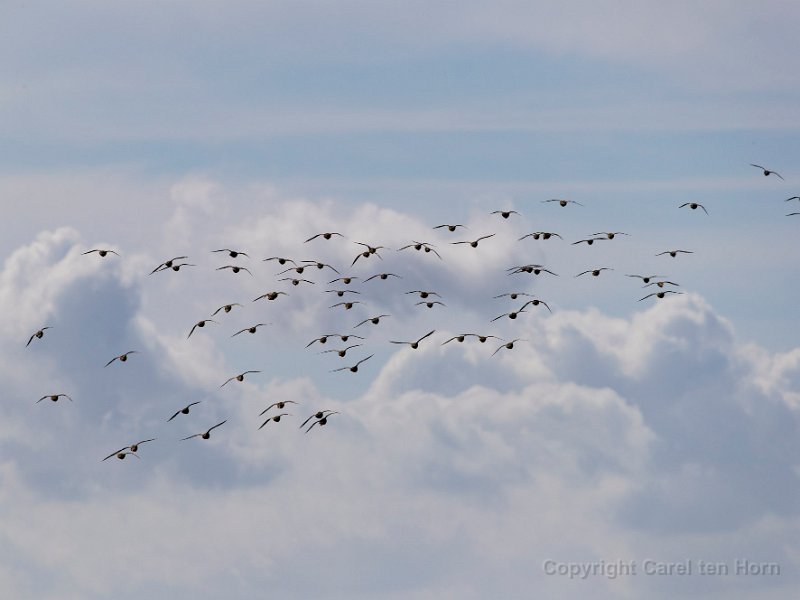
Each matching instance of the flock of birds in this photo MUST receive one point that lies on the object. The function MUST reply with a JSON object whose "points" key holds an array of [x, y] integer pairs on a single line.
{"points": [[297, 273]]}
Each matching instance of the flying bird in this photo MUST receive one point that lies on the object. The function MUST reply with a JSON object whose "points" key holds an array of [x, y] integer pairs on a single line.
{"points": [[766, 171], [694, 206], [545, 235], [504, 213], [513, 295], [343, 337], [270, 295], [354, 368], [251, 329], [102, 252], [54, 397], [661, 284], [38, 335], [122, 357], [511, 315], [508, 345], [536, 302], [373, 320], [234, 268], [451, 227], [177, 267], [122, 455], [344, 280], [482, 338], [674, 253], [424, 293], [611, 234], [319, 265], [239, 377], [415, 345], [281, 260], [341, 293], [474, 243], [320, 414], [659, 294], [275, 418], [645, 278], [206, 434], [341, 352], [296, 281], [382, 276], [590, 241], [133, 449], [184, 410], [279, 405], [322, 421], [563, 202], [167, 264], [327, 235], [200, 324], [595, 272], [430, 303], [232, 253], [347, 305], [535, 269], [226, 307]]}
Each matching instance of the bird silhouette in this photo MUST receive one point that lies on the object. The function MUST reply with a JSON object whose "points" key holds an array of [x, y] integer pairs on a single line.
{"points": [[767, 171], [474, 243], [184, 410], [414, 345], [207, 434], [251, 329], [122, 357], [133, 449], [226, 307], [101, 252], [167, 264], [232, 253], [200, 324], [327, 235], [53, 397], [38, 335], [562, 202], [373, 320], [354, 368], [694, 206], [239, 377], [234, 268]]}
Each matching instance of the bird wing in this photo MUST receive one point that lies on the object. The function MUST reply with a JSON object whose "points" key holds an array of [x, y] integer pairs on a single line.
{"points": [[115, 453]]}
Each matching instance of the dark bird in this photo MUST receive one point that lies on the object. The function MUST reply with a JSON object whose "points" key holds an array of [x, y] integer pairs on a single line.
{"points": [[200, 324], [482, 338], [659, 294], [661, 284], [296, 281], [279, 405], [459, 338], [297, 269], [694, 206], [343, 337], [184, 410], [341, 352], [344, 280], [513, 295], [225, 307], [536, 302], [327, 235], [354, 368], [415, 345], [251, 329], [38, 335], [545, 235], [373, 320], [347, 305], [177, 267], [421, 246], [281, 260], [133, 449], [793, 214], [54, 397], [206, 434], [234, 268], [122, 455], [766, 171], [341, 293], [167, 264], [595, 272], [793, 198], [423, 293], [508, 345], [511, 315], [535, 269], [382, 276], [239, 377], [474, 243], [232, 253], [371, 249], [270, 296], [504, 213], [590, 241], [451, 227], [430, 303], [320, 414], [122, 357], [674, 253], [275, 418], [322, 421], [320, 265], [101, 252], [645, 278], [611, 234], [563, 202]]}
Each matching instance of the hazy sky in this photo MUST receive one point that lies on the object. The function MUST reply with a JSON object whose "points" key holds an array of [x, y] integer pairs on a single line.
{"points": [[618, 430]]}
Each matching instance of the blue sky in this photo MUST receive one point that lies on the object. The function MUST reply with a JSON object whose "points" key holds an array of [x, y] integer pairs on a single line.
{"points": [[619, 430]]}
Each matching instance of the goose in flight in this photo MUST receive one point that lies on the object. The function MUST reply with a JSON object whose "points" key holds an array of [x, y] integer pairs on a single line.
{"points": [[354, 368], [341, 293], [792, 198], [424, 293], [270, 296], [251, 329], [200, 324], [590, 241], [347, 305], [767, 171], [415, 345], [645, 278], [793, 214], [122, 357], [234, 268], [319, 265], [513, 295], [595, 272], [344, 337], [451, 227], [508, 345], [232, 253], [659, 294], [281, 260], [505, 213], [177, 267], [535, 269], [373, 320], [421, 246], [382, 276], [611, 234], [536, 302], [661, 284], [674, 253], [694, 206], [276, 418], [322, 421], [341, 352], [239, 377], [38, 335], [474, 243], [344, 280], [53, 397], [279, 405], [430, 303], [327, 235], [184, 410], [511, 315], [319, 415], [563, 202], [207, 434], [167, 264], [101, 252], [545, 235], [133, 449], [296, 282], [226, 307], [122, 455]]}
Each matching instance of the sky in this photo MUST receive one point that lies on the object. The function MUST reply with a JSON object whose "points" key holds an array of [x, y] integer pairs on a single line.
{"points": [[651, 432]]}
